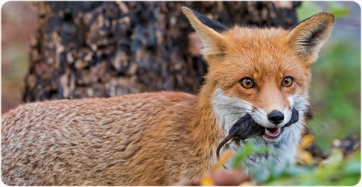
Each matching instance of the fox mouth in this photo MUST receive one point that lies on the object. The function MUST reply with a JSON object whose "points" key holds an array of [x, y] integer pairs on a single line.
{"points": [[273, 132], [246, 127]]}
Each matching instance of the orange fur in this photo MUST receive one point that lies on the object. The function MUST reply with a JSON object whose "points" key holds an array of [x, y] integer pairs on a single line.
{"points": [[153, 138], [137, 139]]}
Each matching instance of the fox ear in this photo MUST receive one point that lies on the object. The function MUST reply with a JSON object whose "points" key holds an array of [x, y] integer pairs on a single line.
{"points": [[208, 30], [217, 26], [308, 36]]}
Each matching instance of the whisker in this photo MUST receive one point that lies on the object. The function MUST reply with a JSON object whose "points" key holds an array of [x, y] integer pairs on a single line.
{"points": [[310, 130], [234, 107], [235, 113], [300, 130], [325, 129]]}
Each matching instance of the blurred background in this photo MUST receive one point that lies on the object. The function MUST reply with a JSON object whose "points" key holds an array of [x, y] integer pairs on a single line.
{"points": [[336, 83], [335, 93], [18, 22]]}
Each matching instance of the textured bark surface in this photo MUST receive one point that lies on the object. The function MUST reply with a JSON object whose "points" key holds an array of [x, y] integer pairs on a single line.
{"points": [[104, 49]]}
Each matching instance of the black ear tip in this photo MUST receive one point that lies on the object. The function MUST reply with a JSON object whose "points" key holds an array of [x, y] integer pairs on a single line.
{"points": [[218, 27], [184, 8]]}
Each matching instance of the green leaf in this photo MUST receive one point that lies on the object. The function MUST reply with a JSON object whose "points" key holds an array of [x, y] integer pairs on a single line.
{"points": [[307, 9], [275, 172], [257, 174], [296, 170], [246, 150], [352, 168], [334, 158], [243, 152], [347, 180], [338, 9]]}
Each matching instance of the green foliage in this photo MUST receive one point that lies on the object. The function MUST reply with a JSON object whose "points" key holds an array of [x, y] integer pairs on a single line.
{"points": [[335, 92], [336, 81], [335, 170], [248, 149], [309, 8], [337, 9]]}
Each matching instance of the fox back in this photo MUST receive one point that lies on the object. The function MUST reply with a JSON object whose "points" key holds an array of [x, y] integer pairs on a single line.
{"points": [[258, 74]]}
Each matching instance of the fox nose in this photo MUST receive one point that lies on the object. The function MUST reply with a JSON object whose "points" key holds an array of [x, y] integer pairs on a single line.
{"points": [[276, 117]]}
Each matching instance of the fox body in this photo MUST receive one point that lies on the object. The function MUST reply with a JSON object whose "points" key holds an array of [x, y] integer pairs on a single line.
{"points": [[157, 138]]}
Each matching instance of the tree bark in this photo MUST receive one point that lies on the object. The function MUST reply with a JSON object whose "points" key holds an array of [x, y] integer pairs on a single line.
{"points": [[104, 49]]}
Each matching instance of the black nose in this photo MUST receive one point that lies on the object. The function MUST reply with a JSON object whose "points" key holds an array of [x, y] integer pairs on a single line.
{"points": [[276, 117]]}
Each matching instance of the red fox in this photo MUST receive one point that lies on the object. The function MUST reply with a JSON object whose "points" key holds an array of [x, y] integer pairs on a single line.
{"points": [[257, 83]]}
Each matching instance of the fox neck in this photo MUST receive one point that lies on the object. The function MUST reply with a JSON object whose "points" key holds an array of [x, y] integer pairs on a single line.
{"points": [[206, 133]]}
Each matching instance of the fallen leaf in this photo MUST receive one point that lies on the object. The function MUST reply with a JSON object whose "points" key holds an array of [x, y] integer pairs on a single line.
{"points": [[225, 156], [306, 141], [206, 181]]}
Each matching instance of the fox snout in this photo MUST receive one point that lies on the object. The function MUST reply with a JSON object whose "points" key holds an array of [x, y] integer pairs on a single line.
{"points": [[247, 126], [276, 117]]}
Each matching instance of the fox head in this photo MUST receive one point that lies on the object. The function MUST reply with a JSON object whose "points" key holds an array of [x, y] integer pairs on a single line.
{"points": [[263, 73]]}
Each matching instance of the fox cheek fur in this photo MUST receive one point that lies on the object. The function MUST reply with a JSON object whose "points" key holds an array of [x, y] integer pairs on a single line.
{"points": [[275, 64]]}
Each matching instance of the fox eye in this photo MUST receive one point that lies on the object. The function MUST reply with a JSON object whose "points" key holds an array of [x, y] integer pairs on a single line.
{"points": [[287, 82], [247, 83]]}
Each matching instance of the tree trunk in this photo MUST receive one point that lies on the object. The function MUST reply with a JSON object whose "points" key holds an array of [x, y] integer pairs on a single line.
{"points": [[104, 49]]}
